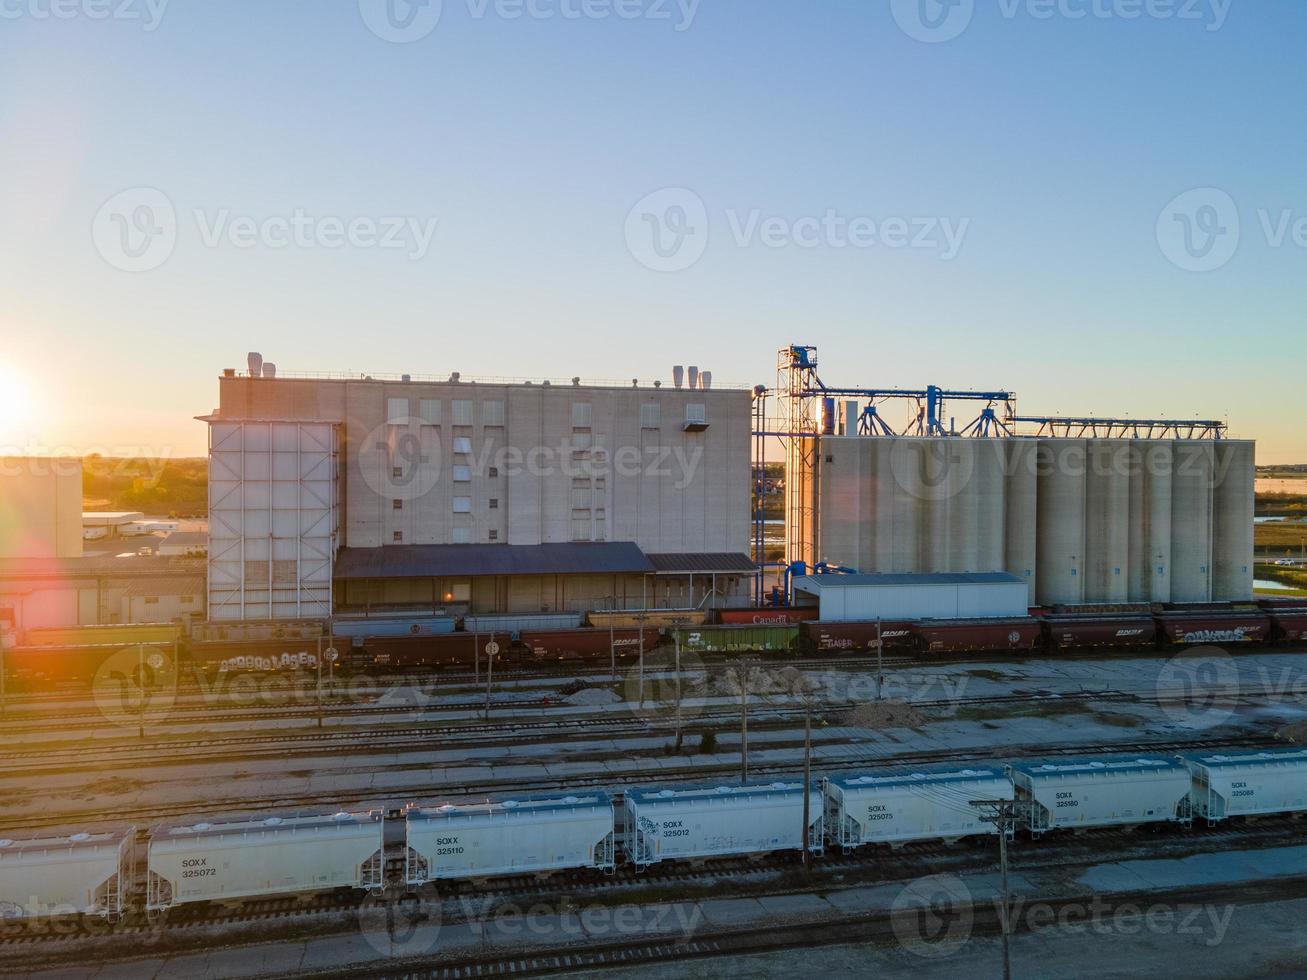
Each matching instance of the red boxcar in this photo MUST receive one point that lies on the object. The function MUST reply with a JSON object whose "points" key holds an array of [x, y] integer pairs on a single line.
{"points": [[444, 650], [1290, 624], [586, 644], [835, 637], [1079, 632], [767, 617], [1214, 627], [979, 635]]}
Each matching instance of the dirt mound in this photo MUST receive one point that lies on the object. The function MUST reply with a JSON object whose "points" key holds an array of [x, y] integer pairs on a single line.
{"points": [[1296, 733], [884, 714]]}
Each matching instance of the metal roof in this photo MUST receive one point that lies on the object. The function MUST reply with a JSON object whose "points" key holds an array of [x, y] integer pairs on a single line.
{"points": [[1262, 757], [671, 794], [176, 585], [815, 583], [1081, 767], [917, 777], [434, 560], [706, 562], [527, 807]]}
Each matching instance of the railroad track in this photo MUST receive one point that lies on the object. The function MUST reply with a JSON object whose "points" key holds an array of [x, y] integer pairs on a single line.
{"points": [[612, 782]]}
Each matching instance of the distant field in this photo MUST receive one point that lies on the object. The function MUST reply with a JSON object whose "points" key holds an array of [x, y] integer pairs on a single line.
{"points": [[1281, 484]]}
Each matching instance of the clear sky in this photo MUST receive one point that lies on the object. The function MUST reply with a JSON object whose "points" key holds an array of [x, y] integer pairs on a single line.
{"points": [[994, 205]]}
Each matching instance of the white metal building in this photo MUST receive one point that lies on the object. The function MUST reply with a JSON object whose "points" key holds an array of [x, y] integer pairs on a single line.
{"points": [[948, 595]]}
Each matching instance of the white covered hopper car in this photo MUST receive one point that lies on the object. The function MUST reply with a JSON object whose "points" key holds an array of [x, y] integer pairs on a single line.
{"points": [[1102, 792], [67, 874], [480, 840], [1269, 781], [717, 821], [895, 807], [248, 857]]}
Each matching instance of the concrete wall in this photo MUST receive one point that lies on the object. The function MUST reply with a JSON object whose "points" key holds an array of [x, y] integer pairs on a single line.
{"points": [[543, 463], [40, 507], [1081, 520]]}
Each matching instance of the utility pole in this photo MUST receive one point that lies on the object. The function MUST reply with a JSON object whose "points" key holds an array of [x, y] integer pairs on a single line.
{"points": [[880, 662], [140, 679], [807, 780], [2, 679], [1003, 815], [476, 658], [677, 635], [612, 642], [640, 623], [744, 670], [491, 649], [319, 663]]}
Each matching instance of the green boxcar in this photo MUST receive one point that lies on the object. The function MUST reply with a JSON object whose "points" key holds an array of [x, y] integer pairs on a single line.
{"points": [[738, 639]]}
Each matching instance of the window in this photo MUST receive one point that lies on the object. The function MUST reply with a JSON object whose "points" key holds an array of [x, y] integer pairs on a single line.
{"points": [[460, 535], [462, 444], [494, 535], [398, 537], [431, 411], [493, 473], [696, 413], [492, 413], [582, 440], [462, 474], [151, 600], [582, 412], [580, 529], [284, 571], [397, 473], [396, 409], [462, 505], [494, 503], [397, 504], [600, 534], [651, 416], [256, 571], [187, 600], [462, 411]]}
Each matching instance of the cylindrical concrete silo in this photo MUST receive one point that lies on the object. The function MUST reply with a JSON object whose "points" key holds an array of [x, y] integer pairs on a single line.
{"points": [[1019, 524], [1232, 509], [1191, 520], [937, 460], [990, 504], [1107, 520], [962, 490], [909, 507], [1150, 520], [1061, 521]]}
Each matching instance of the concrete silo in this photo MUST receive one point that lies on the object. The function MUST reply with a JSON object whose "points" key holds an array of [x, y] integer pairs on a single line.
{"points": [[1152, 464], [1061, 522], [1192, 485], [1232, 521], [991, 495], [1107, 521], [1021, 494]]}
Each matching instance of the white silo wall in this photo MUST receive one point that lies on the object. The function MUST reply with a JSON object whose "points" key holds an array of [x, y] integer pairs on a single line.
{"points": [[1061, 521], [963, 494], [991, 505], [1191, 520], [1020, 518], [1107, 524], [1150, 520], [906, 485], [1232, 524]]}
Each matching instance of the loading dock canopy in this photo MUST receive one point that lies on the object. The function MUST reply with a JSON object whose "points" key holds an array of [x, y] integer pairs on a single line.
{"points": [[703, 563], [441, 560], [945, 595]]}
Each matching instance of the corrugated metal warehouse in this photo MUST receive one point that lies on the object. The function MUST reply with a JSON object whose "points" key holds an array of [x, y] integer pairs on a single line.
{"points": [[968, 595]]}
